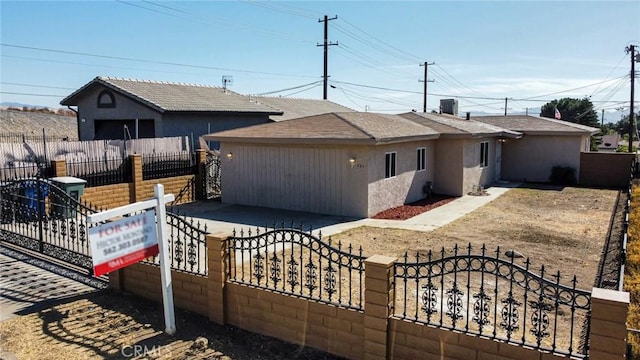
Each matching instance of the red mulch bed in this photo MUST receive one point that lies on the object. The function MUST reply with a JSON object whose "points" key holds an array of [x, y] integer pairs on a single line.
{"points": [[405, 212]]}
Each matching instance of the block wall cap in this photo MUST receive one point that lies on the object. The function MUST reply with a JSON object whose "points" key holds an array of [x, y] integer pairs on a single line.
{"points": [[610, 295], [380, 259]]}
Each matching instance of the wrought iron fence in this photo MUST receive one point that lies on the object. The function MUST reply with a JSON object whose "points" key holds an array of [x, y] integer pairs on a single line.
{"points": [[187, 244], [20, 170], [211, 177], [158, 166], [494, 297], [40, 216], [292, 261], [23, 138], [101, 171]]}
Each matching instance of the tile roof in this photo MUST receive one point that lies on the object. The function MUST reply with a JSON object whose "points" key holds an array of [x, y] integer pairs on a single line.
{"points": [[449, 125], [348, 127], [168, 96], [535, 124], [294, 108]]}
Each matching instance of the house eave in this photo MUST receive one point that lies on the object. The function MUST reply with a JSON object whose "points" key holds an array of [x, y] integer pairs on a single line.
{"points": [[289, 141]]}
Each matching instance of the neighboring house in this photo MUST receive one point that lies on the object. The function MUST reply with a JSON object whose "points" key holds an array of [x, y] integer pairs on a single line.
{"points": [[113, 108], [545, 143], [609, 143], [293, 108], [467, 153], [349, 164]]}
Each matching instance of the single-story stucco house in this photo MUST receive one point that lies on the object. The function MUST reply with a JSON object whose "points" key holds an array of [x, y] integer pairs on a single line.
{"points": [[358, 164], [545, 143], [148, 109]]}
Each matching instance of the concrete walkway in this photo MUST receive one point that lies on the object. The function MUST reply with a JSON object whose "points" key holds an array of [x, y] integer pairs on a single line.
{"points": [[431, 219], [226, 218]]}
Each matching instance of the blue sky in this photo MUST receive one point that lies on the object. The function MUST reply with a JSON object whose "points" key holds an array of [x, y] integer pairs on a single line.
{"points": [[483, 51]]}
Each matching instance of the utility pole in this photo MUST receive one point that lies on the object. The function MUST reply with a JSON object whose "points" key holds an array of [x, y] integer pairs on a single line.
{"points": [[602, 119], [326, 45], [505, 106], [631, 49], [425, 81]]}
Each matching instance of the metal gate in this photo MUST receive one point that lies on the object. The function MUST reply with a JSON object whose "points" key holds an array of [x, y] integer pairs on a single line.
{"points": [[39, 216], [211, 177]]}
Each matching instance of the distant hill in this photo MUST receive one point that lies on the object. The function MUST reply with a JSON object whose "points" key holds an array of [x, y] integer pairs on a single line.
{"points": [[32, 122]]}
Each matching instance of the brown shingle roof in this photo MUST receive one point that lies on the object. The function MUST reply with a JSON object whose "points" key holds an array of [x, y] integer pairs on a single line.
{"points": [[350, 127], [167, 96], [449, 125], [294, 108], [536, 125]]}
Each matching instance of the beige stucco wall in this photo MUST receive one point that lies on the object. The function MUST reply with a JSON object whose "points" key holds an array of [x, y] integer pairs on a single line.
{"points": [[449, 164], [406, 186], [473, 174], [532, 157], [317, 179]]}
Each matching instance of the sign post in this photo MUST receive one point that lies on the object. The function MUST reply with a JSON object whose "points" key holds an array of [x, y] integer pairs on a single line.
{"points": [[128, 240]]}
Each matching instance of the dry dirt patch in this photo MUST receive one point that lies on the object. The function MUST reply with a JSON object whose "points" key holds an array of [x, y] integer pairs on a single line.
{"points": [[562, 228], [112, 326]]}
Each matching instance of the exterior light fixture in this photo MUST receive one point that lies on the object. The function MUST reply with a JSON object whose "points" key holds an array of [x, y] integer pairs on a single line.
{"points": [[229, 155], [352, 161]]}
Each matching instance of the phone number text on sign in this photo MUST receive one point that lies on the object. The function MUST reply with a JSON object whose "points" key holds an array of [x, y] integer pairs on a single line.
{"points": [[121, 243]]}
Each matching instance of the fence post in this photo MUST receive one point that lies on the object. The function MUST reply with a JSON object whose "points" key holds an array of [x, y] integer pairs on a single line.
{"points": [[216, 275], [608, 330], [201, 159], [378, 297], [59, 167], [136, 176]]}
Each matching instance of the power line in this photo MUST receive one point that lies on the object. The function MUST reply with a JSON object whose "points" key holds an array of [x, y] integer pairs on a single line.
{"points": [[19, 93], [291, 88], [33, 85], [149, 61]]}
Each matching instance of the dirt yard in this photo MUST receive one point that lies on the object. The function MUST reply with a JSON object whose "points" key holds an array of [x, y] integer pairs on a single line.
{"points": [[561, 228], [108, 326]]}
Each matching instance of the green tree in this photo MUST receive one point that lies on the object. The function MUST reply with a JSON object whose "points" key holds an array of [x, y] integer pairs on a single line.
{"points": [[622, 126], [579, 111]]}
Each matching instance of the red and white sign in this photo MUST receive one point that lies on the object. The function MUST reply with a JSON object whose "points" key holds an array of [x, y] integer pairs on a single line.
{"points": [[121, 243]]}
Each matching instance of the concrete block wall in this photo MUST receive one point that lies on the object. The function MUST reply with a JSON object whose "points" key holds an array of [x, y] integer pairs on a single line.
{"points": [[336, 330], [189, 290], [110, 196], [370, 334], [408, 340]]}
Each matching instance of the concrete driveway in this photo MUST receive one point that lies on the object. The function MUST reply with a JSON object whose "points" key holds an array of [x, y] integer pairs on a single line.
{"points": [[28, 284], [219, 217]]}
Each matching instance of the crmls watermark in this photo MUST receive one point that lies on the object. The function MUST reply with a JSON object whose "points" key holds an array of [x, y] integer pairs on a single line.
{"points": [[130, 351]]}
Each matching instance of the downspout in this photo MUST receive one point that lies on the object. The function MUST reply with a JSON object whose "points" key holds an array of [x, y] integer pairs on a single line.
{"points": [[77, 119]]}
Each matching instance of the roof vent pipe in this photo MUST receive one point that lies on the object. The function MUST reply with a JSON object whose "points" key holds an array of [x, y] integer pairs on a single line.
{"points": [[468, 115]]}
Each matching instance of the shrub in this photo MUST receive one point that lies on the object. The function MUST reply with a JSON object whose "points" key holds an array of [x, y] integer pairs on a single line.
{"points": [[563, 175], [632, 269]]}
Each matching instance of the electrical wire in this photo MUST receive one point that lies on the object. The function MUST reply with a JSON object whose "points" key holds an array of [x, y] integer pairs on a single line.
{"points": [[33, 85], [30, 94], [290, 88], [149, 61]]}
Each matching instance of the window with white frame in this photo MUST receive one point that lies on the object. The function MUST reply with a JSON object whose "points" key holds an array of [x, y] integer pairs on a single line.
{"points": [[484, 154], [421, 161], [390, 164]]}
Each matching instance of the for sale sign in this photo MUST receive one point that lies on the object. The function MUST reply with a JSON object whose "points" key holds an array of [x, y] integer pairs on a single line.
{"points": [[121, 243]]}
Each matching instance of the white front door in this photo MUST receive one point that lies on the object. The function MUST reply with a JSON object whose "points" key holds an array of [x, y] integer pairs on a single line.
{"points": [[498, 172]]}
